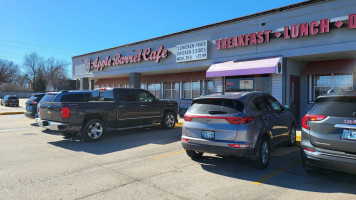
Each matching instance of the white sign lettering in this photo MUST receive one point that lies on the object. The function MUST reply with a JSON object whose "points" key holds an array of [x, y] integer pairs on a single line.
{"points": [[192, 51]]}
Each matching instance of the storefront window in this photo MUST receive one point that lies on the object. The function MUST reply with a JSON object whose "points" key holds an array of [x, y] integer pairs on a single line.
{"points": [[143, 86], [191, 89], [322, 83], [260, 82], [155, 89], [210, 87], [171, 90]]}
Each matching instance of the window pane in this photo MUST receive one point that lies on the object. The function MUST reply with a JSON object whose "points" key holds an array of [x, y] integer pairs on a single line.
{"points": [[261, 103], [249, 83], [167, 85], [127, 95], [210, 87]]}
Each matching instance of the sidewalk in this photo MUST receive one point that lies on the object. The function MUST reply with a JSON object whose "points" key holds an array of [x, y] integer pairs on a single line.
{"points": [[5, 110]]}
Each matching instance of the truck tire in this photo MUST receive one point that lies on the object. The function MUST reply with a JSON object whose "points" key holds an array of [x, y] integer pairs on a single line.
{"points": [[169, 120], [93, 130]]}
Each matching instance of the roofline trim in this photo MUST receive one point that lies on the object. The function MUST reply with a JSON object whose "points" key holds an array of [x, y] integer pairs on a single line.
{"points": [[274, 10]]}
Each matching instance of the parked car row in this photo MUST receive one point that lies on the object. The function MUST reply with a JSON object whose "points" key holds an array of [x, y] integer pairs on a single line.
{"points": [[241, 124]]}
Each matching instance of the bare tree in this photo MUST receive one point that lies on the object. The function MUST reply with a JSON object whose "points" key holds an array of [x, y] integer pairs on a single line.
{"points": [[55, 72], [9, 71], [32, 63]]}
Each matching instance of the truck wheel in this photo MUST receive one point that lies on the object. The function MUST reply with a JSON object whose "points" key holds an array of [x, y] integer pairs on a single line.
{"points": [[263, 153], [169, 120], [93, 130]]}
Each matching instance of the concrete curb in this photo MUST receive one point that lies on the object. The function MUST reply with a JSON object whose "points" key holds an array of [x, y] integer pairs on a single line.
{"points": [[11, 113]]}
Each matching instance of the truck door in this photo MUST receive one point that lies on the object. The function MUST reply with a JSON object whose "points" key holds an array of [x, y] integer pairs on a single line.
{"points": [[149, 107], [128, 107]]}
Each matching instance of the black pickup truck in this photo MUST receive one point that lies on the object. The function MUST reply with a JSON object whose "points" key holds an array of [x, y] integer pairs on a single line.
{"points": [[108, 109]]}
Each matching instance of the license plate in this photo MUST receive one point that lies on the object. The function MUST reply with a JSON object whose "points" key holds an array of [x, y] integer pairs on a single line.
{"points": [[210, 135], [349, 134]]}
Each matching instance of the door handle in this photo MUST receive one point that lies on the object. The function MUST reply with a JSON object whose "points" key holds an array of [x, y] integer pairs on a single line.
{"points": [[277, 115], [121, 106], [143, 105]]}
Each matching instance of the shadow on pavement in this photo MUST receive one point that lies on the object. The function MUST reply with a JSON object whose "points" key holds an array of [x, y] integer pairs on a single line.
{"points": [[115, 141], [277, 174]]}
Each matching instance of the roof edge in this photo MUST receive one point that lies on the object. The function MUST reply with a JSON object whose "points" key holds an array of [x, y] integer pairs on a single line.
{"points": [[274, 10]]}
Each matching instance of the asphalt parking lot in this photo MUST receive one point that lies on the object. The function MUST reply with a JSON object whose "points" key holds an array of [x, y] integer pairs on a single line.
{"points": [[147, 164]]}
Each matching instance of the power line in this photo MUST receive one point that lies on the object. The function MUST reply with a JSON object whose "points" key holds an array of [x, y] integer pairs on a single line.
{"points": [[39, 45], [16, 58], [13, 53], [34, 50]]}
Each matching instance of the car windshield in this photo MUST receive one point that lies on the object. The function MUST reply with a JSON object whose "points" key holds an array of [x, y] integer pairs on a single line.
{"points": [[335, 106], [216, 106]]}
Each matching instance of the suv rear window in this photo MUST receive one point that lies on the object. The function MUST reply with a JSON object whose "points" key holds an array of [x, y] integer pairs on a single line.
{"points": [[341, 106], [48, 98], [216, 106], [12, 98]]}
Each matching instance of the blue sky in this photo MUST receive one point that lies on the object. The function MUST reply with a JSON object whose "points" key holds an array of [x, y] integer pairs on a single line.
{"points": [[66, 28]]}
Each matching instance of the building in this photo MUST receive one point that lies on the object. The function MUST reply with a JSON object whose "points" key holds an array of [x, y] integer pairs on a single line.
{"points": [[295, 53]]}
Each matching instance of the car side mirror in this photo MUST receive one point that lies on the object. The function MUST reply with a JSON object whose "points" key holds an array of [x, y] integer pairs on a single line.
{"points": [[286, 107]]}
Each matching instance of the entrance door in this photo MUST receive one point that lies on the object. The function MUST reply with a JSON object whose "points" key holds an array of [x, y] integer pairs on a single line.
{"points": [[294, 96]]}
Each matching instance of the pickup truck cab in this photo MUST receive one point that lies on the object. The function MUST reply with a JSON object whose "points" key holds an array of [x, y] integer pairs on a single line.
{"points": [[108, 109]]}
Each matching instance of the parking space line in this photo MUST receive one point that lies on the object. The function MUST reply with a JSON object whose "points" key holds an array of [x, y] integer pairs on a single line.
{"points": [[170, 154], [274, 173]]}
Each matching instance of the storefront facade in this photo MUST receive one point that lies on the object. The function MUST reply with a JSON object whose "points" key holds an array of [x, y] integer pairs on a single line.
{"points": [[294, 53]]}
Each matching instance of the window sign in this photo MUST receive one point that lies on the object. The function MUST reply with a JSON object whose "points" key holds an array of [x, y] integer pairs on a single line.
{"points": [[246, 84], [192, 51]]}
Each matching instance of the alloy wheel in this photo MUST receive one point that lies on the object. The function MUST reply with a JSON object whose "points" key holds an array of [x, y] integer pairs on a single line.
{"points": [[170, 121], [95, 130]]}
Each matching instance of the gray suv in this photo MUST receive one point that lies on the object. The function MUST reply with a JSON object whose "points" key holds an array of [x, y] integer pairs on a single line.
{"points": [[329, 133], [242, 124]]}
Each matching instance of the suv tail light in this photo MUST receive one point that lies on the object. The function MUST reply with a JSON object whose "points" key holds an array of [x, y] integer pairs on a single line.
{"points": [[188, 118], [231, 120], [33, 102], [309, 117], [65, 112], [239, 120]]}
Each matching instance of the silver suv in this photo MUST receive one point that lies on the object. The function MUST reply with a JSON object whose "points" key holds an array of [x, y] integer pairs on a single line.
{"points": [[329, 133], [243, 124]]}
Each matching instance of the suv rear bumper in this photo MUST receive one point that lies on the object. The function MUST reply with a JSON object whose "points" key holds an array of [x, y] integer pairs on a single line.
{"points": [[54, 126], [329, 161], [217, 147], [325, 158]]}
